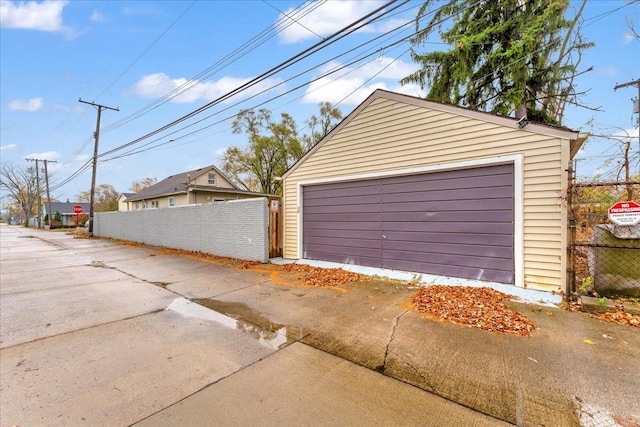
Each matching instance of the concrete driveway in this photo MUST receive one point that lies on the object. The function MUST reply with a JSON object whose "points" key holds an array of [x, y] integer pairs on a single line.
{"points": [[99, 334]]}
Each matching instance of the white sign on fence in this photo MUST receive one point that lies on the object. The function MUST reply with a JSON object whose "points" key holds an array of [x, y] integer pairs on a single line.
{"points": [[625, 213]]}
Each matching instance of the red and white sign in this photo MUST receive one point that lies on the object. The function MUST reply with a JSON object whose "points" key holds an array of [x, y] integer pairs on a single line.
{"points": [[625, 213], [77, 209]]}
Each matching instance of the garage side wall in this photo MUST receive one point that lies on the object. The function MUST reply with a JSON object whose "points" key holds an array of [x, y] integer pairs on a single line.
{"points": [[388, 136], [235, 229]]}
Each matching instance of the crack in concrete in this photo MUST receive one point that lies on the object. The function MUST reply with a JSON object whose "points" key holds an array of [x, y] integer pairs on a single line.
{"points": [[383, 367]]}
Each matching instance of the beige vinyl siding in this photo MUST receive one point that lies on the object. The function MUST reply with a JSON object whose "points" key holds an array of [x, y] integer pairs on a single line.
{"points": [[388, 135], [180, 200], [221, 181]]}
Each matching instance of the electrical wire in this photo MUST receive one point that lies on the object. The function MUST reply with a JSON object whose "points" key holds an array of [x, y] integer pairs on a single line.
{"points": [[305, 53], [139, 149], [283, 65], [218, 66], [147, 49]]}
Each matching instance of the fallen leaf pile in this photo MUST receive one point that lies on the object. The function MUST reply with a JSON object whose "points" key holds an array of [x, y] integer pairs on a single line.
{"points": [[245, 265], [482, 308], [620, 317], [321, 277]]}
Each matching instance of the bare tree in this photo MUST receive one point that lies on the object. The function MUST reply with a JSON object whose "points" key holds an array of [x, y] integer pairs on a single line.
{"points": [[105, 198], [138, 186], [20, 187], [623, 164]]}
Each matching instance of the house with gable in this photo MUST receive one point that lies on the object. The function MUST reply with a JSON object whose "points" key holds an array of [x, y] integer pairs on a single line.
{"points": [[200, 186]]}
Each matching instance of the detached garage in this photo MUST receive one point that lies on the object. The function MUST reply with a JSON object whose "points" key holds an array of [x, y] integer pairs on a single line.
{"points": [[412, 185]]}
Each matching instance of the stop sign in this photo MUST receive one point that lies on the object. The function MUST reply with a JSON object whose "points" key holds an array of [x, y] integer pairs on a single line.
{"points": [[77, 209], [625, 213]]}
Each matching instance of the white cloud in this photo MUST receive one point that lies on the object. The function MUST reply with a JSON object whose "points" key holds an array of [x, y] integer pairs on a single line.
{"points": [[218, 155], [607, 71], [159, 84], [326, 19], [7, 147], [353, 84], [626, 134], [391, 24], [628, 37], [68, 108], [98, 17], [47, 155], [30, 105], [44, 16], [81, 158]]}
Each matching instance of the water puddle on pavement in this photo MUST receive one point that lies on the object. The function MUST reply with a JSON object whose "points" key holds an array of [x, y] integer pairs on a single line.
{"points": [[238, 316]]}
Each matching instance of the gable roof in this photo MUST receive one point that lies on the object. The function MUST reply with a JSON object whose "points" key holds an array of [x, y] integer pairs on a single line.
{"points": [[178, 183], [576, 138]]}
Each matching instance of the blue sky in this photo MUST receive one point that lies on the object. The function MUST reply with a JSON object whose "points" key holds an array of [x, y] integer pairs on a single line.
{"points": [[129, 55]]}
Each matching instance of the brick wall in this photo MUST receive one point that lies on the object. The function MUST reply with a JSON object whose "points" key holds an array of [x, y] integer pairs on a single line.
{"points": [[236, 228]]}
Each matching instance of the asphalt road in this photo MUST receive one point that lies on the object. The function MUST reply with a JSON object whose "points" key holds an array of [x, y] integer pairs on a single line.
{"points": [[91, 335]]}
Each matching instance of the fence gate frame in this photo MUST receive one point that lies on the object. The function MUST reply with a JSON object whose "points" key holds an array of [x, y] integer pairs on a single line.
{"points": [[574, 245], [275, 227]]}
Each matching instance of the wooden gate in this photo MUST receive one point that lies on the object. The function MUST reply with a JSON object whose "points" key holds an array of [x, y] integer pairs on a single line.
{"points": [[275, 227]]}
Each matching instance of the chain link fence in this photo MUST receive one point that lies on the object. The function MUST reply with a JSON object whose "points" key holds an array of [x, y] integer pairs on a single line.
{"points": [[604, 258]]}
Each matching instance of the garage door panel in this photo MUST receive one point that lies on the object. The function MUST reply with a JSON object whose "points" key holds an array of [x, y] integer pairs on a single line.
{"points": [[340, 201], [339, 217], [505, 203], [344, 259], [327, 209], [446, 270], [470, 215], [467, 183], [446, 227], [346, 234], [452, 260], [496, 170], [344, 242], [348, 226], [445, 195], [454, 238], [448, 248], [366, 251], [343, 189]]}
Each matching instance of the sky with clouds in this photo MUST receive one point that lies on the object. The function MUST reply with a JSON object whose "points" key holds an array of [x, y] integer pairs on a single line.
{"points": [[158, 61]]}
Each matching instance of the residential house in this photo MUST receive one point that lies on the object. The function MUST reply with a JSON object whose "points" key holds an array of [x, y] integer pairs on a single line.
{"points": [[68, 216], [122, 201], [200, 186]]}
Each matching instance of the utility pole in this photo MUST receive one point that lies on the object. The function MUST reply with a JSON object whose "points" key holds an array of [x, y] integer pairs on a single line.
{"points": [[96, 135], [38, 189], [636, 105], [636, 102], [46, 177]]}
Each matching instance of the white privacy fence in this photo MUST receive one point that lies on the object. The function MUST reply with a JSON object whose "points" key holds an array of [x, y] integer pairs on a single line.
{"points": [[235, 229]]}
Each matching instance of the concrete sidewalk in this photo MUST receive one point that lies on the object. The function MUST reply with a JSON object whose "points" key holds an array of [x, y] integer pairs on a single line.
{"points": [[574, 370]]}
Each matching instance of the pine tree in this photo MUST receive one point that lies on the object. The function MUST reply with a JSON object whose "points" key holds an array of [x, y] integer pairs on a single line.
{"points": [[507, 57]]}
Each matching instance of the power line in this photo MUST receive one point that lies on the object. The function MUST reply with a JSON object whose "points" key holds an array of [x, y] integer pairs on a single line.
{"points": [[297, 21], [283, 65], [141, 149], [320, 77], [219, 65], [147, 49]]}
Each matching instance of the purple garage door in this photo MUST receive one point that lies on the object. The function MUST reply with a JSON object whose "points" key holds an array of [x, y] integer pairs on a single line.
{"points": [[455, 223]]}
